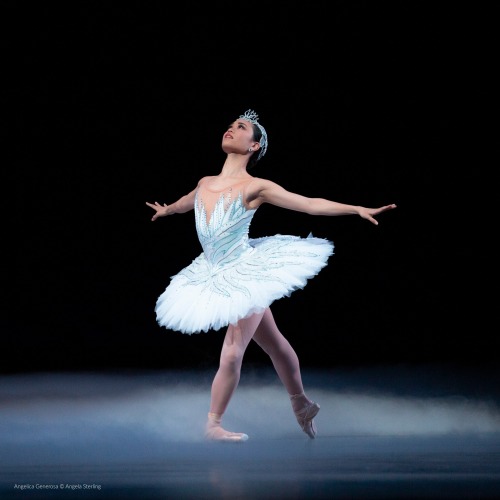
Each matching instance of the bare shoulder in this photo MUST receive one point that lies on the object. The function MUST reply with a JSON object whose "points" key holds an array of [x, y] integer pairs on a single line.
{"points": [[205, 179], [266, 191], [260, 184], [261, 191]]}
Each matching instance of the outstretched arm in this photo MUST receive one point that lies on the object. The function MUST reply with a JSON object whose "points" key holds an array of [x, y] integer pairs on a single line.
{"points": [[270, 192], [182, 205]]}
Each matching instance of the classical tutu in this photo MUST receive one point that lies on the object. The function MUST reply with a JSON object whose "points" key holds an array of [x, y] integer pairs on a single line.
{"points": [[200, 298]]}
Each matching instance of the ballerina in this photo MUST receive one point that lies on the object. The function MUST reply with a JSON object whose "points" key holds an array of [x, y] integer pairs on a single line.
{"points": [[234, 281]]}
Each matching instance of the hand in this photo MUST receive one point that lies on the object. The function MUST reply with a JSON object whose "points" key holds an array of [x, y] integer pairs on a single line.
{"points": [[161, 210], [369, 213]]}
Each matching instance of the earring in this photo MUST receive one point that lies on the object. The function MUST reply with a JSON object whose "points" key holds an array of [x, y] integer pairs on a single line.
{"points": [[250, 150]]}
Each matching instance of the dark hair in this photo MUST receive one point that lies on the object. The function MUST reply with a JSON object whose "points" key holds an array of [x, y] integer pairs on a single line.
{"points": [[257, 134]]}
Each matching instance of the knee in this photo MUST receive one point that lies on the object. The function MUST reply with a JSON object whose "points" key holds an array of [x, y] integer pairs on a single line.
{"points": [[231, 358]]}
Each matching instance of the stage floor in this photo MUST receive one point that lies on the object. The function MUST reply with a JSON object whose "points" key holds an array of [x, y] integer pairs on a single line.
{"points": [[382, 433]]}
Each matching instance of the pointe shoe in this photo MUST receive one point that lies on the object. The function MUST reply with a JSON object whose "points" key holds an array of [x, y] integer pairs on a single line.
{"points": [[214, 431], [305, 416]]}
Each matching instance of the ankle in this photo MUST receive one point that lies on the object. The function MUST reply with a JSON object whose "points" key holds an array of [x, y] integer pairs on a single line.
{"points": [[214, 418], [299, 401]]}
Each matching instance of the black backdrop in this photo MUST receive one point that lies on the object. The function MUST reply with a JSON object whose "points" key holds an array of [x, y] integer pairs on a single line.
{"points": [[118, 104]]}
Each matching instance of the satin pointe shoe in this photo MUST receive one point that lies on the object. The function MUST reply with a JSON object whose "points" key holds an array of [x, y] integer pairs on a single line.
{"points": [[215, 432], [305, 416]]}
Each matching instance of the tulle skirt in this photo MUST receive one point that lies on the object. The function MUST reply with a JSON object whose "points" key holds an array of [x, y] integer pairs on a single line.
{"points": [[201, 298]]}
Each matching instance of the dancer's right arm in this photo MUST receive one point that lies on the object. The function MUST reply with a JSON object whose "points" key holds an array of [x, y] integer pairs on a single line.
{"points": [[182, 205]]}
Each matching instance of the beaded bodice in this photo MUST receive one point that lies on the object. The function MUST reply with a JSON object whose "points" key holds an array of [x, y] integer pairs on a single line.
{"points": [[223, 233]]}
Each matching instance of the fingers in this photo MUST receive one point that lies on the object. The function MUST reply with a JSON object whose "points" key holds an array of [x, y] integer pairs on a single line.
{"points": [[384, 208], [379, 210], [156, 205]]}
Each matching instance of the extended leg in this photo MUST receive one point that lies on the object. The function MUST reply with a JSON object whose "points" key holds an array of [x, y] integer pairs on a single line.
{"points": [[287, 366]]}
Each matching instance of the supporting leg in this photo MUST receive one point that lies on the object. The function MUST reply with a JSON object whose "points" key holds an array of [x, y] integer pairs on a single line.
{"points": [[228, 376]]}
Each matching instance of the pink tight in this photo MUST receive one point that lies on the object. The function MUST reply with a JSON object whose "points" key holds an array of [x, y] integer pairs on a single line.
{"points": [[263, 330]]}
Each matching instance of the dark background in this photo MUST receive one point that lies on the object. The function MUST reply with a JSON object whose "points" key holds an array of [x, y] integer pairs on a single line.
{"points": [[115, 104]]}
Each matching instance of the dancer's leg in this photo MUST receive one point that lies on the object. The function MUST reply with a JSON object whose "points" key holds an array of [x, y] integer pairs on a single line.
{"points": [[228, 376], [282, 354], [287, 366]]}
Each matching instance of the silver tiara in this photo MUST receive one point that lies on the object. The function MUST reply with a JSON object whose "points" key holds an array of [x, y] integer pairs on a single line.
{"points": [[253, 117]]}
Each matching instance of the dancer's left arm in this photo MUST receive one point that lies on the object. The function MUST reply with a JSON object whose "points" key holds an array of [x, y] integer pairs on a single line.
{"points": [[274, 194]]}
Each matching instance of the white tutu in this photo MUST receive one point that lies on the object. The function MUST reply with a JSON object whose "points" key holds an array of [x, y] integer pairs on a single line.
{"points": [[203, 296]]}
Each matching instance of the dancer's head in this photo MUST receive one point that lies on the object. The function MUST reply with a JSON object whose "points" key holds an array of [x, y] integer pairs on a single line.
{"points": [[246, 136]]}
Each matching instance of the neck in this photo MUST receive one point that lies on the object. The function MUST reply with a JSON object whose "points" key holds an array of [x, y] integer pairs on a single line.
{"points": [[235, 166]]}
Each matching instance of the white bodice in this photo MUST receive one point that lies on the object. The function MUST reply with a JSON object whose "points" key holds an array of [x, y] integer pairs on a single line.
{"points": [[223, 233]]}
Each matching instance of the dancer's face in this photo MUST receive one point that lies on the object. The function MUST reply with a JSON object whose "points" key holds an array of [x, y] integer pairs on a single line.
{"points": [[239, 137]]}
